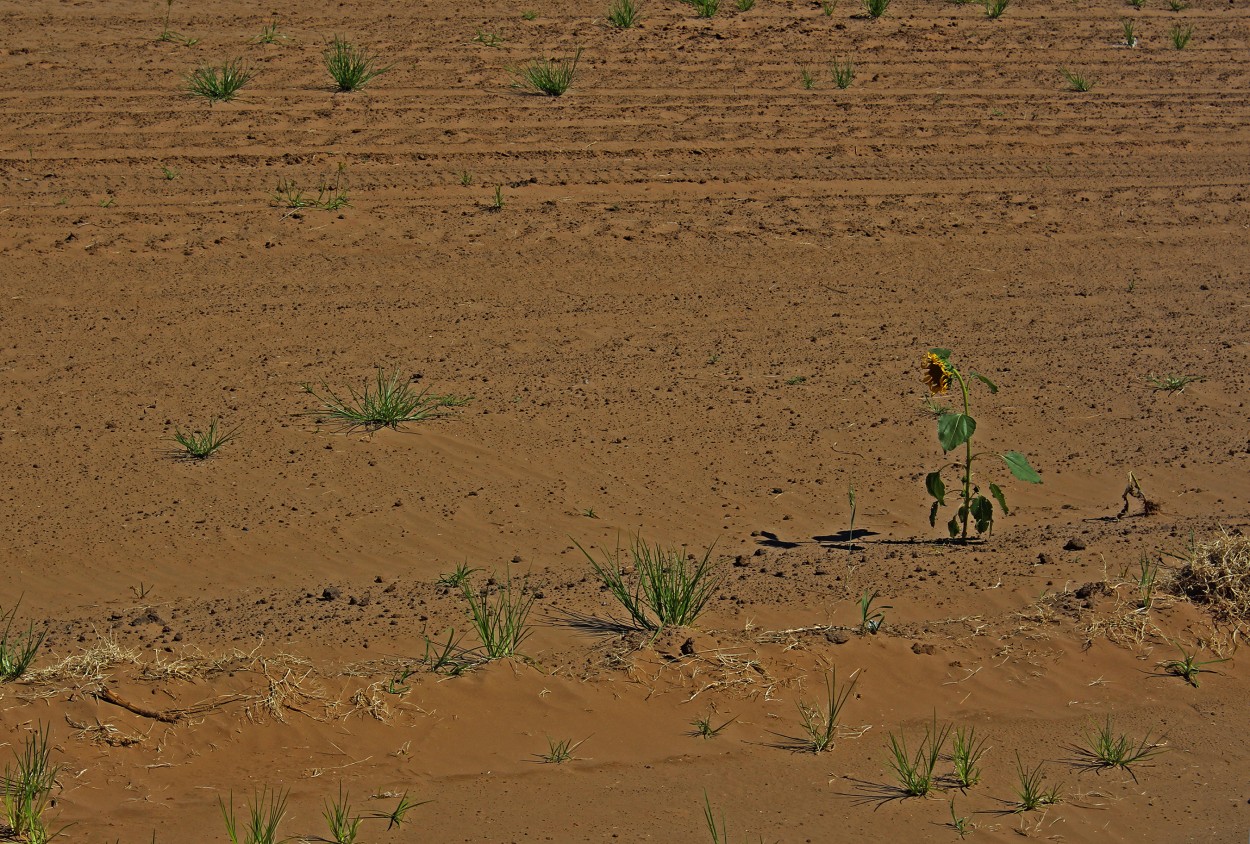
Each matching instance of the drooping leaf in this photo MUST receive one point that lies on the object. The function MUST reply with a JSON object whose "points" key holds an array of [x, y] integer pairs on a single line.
{"points": [[955, 429], [998, 496], [937, 489], [1019, 466], [933, 514], [982, 513], [953, 526], [987, 382]]}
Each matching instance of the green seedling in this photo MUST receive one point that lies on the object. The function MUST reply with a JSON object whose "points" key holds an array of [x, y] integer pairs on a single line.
{"points": [[396, 685], [559, 752], [961, 824], [169, 36], [550, 77], [270, 34], [915, 770], [1130, 40], [590, 513], [666, 588], [842, 73], [466, 178], [705, 8], [820, 723], [797, 379], [1146, 580], [703, 726], [496, 203], [456, 578], [200, 445], [529, 15], [26, 790], [875, 8], [487, 39], [624, 14], [1031, 789], [957, 429], [265, 814], [1188, 667], [1077, 81], [1137, 4], [344, 822], [219, 84], [967, 748], [1171, 383], [744, 5], [1180, 35], [871, 618], [1104, 748], [807, 80], [446, 657], [169, 173], [994, 8], [351, 68], [1177, 5], [500, 621], [828, 7], [389, 403]]}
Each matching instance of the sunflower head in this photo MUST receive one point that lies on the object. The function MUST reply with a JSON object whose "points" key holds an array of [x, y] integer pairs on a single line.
{"points": [[937, 373]]}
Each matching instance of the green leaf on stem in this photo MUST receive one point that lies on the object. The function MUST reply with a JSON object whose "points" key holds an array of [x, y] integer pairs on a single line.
{"points": [[997, 492], [982, 513], [955, 429], [937, 489], [1019, 466], [944, 354], [953, 524], [987, 382]]}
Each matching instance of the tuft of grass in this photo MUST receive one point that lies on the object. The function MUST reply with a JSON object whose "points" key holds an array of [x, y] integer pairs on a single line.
{"points": [[17, 649], [457, 578], [331, 196], [559, 752], [876, 8], [1104, 748], [500, 621], [344, 822], [994, 8], [1130, 39], [529, 15], [219, 84], [1177, 5], [1180, 35], [915, 770], [351, 68], [496, 202], [744, 5], [446, 657], [1137, 4], [842, 72], [665, 590], [623, 14], [1076, 80], [487, 39], [466, 178], [805, 77], [390, 402], [1188, 667], [704, 8], [169, 173], [1031, 790], [828, 7], [703, 725], [270, 34], [265, 813], [550, 77], [1171, 383], [870, 618], [820, 723], [26, 790], [1146, 580], [200, 445], [961, 823], [967, 748]]}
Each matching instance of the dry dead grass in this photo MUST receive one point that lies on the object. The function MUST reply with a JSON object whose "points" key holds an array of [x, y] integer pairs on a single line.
{"points": [[1218, 577]]}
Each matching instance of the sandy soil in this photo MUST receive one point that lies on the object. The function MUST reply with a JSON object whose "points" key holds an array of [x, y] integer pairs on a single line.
{"points": [[699, 316]]}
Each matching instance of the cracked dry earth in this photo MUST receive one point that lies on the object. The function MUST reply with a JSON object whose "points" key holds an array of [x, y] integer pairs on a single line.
{"points": [[699, 317]]}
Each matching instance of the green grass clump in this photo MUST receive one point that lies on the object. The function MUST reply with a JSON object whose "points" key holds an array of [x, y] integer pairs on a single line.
{"points": [[500, 621], [665, 590], [270, 34], [17, 649], [559, 752], [1172, 383], [1130, 32], [550, 77], [331, 195], [1031, 791], [820, 722], [200, 445], [994, 8], [623, 14], [1104, 748], [1076, 80], [265, 813], [350, 67], [806, 79], [219, 84], [457, 577], [915, 770], [390, 402], [967, 748], [26, 790], [1180, 35], [705, 8], [344, 822], [875, 8], [1188, 667], [843, 72]]}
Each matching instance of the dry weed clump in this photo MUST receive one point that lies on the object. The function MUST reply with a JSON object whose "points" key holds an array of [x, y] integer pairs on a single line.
{"points": [[1218, 575]]}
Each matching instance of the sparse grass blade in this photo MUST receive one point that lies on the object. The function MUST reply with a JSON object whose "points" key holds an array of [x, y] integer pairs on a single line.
{"points": [[219, 84], [559, 752], [390, 402], [264, 814], [666, 589], [967, 748], [820, 723], [1031, 790], [1188, 667], [1105, 748], [1076, 80], [351, 68], [344, 826], [551, 77], [200, 445], [26, 790], [915, 770], [500, 621], [18, 649], [624, 14]]}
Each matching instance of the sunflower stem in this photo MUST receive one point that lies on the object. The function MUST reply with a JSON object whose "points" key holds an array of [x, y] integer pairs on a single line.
{"points": [[966, 510]]}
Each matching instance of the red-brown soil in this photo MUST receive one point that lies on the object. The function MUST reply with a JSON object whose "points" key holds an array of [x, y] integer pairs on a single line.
{"points": [[699, 315]]}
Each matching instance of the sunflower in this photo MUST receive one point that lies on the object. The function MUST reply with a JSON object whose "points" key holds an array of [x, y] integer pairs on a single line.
{"points": [[937, 373]]}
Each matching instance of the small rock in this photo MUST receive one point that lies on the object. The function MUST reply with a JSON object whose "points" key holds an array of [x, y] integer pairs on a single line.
{"points": [[1044, 560], [687, 647], [1074, 545], [837, 637], [331, 593], [927, 648]]}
